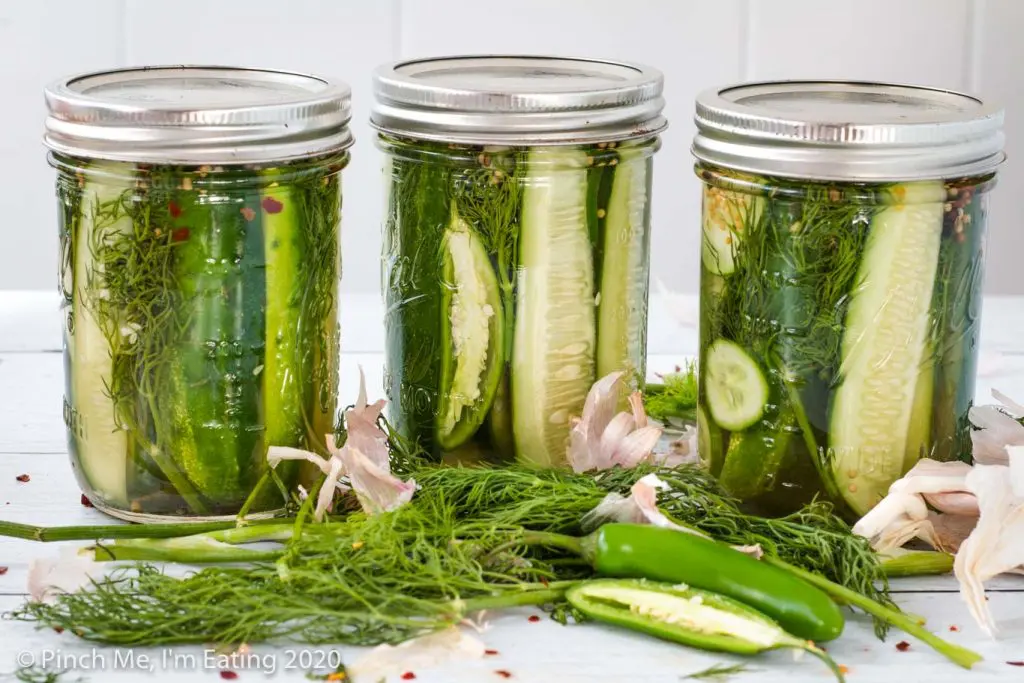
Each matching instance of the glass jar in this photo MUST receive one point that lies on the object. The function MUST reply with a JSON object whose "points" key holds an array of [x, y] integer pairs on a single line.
{"points": [[841, 279], [515, 245], [200, 263]]}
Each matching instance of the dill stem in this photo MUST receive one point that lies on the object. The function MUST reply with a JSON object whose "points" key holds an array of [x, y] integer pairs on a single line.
{"points": [[955, 653], [812, 447], [48, 534], [256, 490], [539, 596], [188, 550]]}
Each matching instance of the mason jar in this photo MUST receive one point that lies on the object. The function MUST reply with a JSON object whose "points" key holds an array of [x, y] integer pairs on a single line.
{"points": [[199, 213], [516, 237], [843, 235]]}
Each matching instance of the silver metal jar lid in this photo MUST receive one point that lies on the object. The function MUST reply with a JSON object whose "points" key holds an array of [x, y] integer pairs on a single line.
{"points": [[852, 131], [197, 115], [517, 100]]}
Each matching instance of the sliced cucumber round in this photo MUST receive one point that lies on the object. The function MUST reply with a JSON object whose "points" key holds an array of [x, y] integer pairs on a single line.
{"points": [[736, 389], [472, 335], [884, 346], [727, 215], [553, 354]]}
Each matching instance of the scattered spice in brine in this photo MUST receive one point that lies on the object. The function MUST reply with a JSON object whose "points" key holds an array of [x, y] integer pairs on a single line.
{"points": [[23, 478], [1021, 663], [843, 669], [3, 570], [271, 205], [490, 652], [534, 618], [408, 676], [228, 675], [954, 628], [58, 629], [86, 502], [903, 646], [503, 673]]}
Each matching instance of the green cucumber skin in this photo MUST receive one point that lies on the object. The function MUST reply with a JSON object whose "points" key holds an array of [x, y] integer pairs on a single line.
{"points": [[958, 333], [93, 430], [623, 275], [217, 413], [284, 386], [418, 214]]}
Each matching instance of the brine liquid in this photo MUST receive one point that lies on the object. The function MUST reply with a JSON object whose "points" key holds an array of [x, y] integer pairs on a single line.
{"points": [[200, 310], [793, 267], [495, 270]]}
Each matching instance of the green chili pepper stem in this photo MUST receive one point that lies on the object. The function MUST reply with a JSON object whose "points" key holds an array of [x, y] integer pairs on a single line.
{"points": [[50, 534], [955, 653], [917, 563], [823, 656]]}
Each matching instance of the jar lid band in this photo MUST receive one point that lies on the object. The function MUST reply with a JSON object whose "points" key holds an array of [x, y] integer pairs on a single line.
{"points": [[518, 100], [197, 114], [848, 130]]}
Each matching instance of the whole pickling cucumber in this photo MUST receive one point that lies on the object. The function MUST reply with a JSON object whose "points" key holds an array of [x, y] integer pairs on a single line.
{"points": [[214, 375]]}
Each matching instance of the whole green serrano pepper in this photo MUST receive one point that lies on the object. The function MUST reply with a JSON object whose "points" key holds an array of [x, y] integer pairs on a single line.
{"points": [[661, 554], [681, 614]]}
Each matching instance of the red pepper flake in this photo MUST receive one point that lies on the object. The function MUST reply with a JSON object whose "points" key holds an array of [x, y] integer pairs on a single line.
{"points": [[58, 629], [408, 676], [490, 652], [544, 582], [86, 502], [174, 209], [1016, 663], [903, 646], [954, 628], [23, 478], [179, 235], [503, 673], [228, 675], [271, 205], [3, 570], [247, 213], [534, 618]]}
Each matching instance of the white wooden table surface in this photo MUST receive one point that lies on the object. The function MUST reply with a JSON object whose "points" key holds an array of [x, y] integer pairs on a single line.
{"points": [[32, 442]]}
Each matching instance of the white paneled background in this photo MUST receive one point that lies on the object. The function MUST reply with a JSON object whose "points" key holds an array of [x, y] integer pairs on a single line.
{"points": [[977, 45]]}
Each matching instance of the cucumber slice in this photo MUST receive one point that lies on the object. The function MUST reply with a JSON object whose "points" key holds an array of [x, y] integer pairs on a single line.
{"points": [[472, 334], [281, 374], [736, 389], [621, 311], [726, 216], [100, 444], [884, 345], [553, 354]]}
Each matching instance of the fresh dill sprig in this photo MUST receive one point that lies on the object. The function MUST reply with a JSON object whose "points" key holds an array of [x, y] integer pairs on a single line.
{"points": [[675, 397], [38, 674], [717, 672]]}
